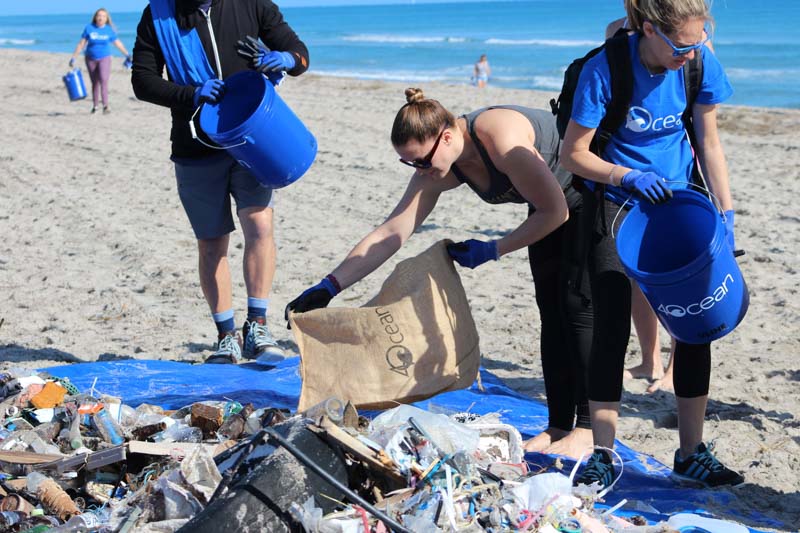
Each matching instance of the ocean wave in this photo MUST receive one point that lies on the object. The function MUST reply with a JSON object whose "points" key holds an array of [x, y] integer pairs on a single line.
{"points": [[403, 39], [17, 42], [542, 42], [784, 74]]}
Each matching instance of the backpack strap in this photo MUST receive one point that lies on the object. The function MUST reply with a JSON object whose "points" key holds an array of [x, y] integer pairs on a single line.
{"points": [[692, 79], [621, 70]]}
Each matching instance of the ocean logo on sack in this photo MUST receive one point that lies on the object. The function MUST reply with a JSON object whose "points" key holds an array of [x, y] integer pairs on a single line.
{"points": [[398, 356], [696, 308], [640, 120]]}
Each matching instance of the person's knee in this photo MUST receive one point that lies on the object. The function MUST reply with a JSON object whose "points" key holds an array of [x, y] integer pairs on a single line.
{"points": [[257, 223], [212, 250]]}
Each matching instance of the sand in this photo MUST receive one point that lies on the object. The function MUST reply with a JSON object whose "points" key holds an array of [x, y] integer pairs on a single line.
{"points": [[98, 262]]}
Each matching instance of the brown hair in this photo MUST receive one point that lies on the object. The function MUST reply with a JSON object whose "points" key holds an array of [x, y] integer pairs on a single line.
{"points": [[108, 16], [420, 119], [667, 15]]}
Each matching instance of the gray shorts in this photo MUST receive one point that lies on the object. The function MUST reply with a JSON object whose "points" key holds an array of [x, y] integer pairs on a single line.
{"points": [[205, 187]]}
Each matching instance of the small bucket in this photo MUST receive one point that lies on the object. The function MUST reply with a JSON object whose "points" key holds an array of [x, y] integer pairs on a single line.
{"points": [[76, 90], [678, 251], [259, 130]]}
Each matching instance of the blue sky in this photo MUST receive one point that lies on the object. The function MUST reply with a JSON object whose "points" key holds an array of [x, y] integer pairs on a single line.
{"points": [[58, 7]]}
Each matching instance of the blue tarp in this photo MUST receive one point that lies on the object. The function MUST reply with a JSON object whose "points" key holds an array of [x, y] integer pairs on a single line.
{"points": [[172, 385]]}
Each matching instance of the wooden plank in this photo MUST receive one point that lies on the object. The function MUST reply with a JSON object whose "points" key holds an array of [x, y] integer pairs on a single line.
{"points": [[28, 458]]}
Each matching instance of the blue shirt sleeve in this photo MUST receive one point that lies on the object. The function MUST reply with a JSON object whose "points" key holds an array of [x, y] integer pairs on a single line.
{"points": [[715, 87], [112, 34], [592, 93], [85, 34]]}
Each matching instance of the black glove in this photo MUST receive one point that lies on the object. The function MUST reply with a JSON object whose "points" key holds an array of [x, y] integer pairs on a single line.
{"points": [[316, 297]]}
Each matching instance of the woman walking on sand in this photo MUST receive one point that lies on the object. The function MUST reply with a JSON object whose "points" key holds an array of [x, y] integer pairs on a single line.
{"points": [[640, 159], [97, 37], [505, 154], [481, 72]]}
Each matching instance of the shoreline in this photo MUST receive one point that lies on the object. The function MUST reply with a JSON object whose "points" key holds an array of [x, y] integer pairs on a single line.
{"points": [[99, 262]]}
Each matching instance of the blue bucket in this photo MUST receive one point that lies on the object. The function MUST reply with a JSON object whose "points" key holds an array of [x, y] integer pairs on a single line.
{"points": [[679, 253], [259, 130], [74, 82]]}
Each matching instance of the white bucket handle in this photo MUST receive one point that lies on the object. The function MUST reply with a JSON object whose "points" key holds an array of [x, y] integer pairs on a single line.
{"points": [[201, 141], [714, 201]]}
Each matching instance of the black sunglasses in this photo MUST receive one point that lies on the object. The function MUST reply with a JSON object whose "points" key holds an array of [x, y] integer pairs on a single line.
{"points": [[425, 162]]}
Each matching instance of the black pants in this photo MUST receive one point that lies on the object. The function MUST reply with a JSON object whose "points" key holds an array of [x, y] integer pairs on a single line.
{"points": [[564, 374], [609, 292]]}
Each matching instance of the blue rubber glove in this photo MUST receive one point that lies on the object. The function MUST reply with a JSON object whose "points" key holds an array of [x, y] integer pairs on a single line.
{"points": [[316, 297], [648, 185], [276, 77], [274, 61], [72, 62], [729, 229], [211, 92], [473, 253], [128, 63]]}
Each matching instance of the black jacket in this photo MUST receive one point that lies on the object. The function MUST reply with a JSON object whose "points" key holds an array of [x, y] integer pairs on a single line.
{"points": [[231, 20]]}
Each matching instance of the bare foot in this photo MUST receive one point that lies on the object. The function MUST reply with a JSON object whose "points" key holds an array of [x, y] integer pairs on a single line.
{"points": [[665, 383], [578, 442], [544, 439], [644, 372]]}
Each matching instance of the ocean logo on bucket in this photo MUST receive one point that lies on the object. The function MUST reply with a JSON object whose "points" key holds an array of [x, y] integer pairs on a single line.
{"points": [[398, 356], [696, 308], [640, 120]]}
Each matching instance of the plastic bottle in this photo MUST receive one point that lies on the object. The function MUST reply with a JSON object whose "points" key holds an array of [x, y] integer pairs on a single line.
{"points": [[333, 408], [84, 523], [108, 428], [9, 518], [75, 440], [179, 433]]}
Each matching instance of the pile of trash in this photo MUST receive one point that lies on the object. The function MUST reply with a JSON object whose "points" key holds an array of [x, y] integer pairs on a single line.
{"points": [[75, 460]]}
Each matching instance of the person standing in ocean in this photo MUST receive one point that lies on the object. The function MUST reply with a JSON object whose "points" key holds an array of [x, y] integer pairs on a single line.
{"points": [[481, 72], [200, 42], [97, 38]]}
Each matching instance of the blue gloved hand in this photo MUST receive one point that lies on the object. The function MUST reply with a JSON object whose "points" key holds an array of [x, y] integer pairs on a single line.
{"points": [[276, 77], [211, 92], [315, 297], [272, 61], [72, 62], [648, 185], [473, 253], [128, 63], [729, 229]]}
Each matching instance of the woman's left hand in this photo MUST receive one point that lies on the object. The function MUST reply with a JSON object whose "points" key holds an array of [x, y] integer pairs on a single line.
{"points": [[473, 253]]}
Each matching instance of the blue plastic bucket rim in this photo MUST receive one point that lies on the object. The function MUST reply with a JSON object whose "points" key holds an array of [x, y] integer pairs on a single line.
{"points": [[689, 270], [239, 132]]}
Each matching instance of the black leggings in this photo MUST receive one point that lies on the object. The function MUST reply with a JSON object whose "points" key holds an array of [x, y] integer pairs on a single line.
{"points": [[610, 293], [562, 368]]}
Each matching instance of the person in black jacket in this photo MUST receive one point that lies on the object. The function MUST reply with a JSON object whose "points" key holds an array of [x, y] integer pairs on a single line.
{"points": [[206, 177]]}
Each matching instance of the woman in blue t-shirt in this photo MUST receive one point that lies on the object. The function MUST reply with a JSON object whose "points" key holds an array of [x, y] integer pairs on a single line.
{"points": [[645, 157], [98, 37]]}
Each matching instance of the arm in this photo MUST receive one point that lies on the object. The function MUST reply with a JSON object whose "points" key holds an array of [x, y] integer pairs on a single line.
{"points": [[710, 153], [579, 159], [509, 140], [148, 66], [121, 47], [81, 45], [381, 243], [279, 36]]}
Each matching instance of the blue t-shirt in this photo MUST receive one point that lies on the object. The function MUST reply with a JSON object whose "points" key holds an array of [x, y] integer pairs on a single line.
{"points": [[654, 138], [99, 40]]}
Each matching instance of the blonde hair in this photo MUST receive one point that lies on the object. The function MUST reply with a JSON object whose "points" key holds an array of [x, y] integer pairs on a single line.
{"points": [[667, 15], [108, 16], [420, 118]]}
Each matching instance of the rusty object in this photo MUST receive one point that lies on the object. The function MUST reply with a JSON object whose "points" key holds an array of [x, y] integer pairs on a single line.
{"points": [[207, 417], [15, 502], [56, 501]]}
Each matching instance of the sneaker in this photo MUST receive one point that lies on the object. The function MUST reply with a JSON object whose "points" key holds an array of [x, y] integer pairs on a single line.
{"points": [[258, 342], [228, 350], [106, 110], [703, 468], [93, 111], [599, 469]]}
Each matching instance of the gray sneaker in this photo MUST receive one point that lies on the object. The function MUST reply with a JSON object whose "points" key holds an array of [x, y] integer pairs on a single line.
{"points": [[258, 342], [228, 350]]}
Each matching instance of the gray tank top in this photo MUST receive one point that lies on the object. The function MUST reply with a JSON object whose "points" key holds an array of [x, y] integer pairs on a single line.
{"points": [[547, 143]]}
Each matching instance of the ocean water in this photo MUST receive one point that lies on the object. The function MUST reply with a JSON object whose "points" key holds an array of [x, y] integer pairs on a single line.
{"points": [[529, 44]]}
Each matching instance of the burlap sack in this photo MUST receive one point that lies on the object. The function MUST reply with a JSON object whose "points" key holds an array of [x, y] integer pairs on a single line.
{"points": [[415, 339]]}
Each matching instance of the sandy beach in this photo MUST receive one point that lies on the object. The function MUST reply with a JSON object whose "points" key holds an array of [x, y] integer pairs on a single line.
{"points": [[98, 262]]}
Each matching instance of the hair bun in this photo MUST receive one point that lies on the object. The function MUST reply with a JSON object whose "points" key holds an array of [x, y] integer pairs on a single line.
{"points": [[414, 95]]}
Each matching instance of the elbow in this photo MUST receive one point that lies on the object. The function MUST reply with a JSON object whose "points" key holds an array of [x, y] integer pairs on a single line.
{"points": [[567, 160]]}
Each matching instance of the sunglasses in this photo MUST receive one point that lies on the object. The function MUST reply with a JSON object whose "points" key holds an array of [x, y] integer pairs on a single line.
{"points": [[425, 162], [678, 51]]}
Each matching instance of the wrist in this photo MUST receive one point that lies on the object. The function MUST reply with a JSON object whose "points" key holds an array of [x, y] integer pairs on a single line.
{"points": [[495, 249], [333, 285]]}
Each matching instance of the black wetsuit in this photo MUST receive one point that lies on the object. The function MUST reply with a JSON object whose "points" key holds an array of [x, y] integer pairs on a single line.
{"points": [[564, 378]]}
